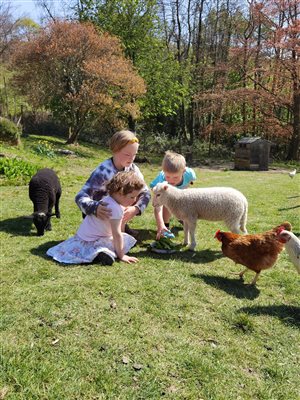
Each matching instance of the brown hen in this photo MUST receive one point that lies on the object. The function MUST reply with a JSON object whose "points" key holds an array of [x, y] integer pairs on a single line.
{"points": [[256, 252]]}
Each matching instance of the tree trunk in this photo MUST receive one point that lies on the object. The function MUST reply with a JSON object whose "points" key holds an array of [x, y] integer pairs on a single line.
{"points": [[293, 150], [73, 136]]}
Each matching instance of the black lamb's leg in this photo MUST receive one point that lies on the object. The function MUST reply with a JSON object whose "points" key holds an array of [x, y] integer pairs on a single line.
{"points": [[48, 226], [57, 212]]}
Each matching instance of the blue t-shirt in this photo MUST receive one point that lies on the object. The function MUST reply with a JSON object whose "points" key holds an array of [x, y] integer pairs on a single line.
{"points": [[188, 177]]}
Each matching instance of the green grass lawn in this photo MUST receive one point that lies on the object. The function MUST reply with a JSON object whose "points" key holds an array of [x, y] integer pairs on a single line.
{"points": [[172, 327]]}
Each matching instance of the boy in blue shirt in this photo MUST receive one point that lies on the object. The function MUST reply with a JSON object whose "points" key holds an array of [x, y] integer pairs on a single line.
{"points": [[176, 173]]}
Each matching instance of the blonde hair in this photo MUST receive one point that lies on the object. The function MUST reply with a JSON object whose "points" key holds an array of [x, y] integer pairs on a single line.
{"points": [[124, 183], [173, 162], [121, 139]]}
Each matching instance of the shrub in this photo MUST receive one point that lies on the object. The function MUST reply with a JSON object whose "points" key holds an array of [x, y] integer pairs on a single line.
{"points": [[44, 148], [17, 171], [9, 131], [158, 143]]}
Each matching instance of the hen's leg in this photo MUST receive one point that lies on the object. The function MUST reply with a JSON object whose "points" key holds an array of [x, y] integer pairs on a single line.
{"points": [[241, 274], [255, 278]]}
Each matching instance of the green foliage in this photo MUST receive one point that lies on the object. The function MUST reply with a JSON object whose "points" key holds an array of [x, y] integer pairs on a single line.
{"points": [[165, 92], [17, 171], [11, 103], [157, 143], [131, 20], [136, 24], [9, 131], [44, 148]]}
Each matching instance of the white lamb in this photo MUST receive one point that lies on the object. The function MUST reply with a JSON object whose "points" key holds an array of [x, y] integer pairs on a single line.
{"points": [[211, 204]]}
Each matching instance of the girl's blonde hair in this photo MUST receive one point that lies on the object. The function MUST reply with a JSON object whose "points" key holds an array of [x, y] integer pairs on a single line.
{"points": [[124, 183], [121, 139], [173, 162]]}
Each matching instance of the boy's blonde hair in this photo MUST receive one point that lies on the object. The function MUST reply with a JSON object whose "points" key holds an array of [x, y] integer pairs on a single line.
{"points": [[124, 183], [173, 162], [121, 139]]}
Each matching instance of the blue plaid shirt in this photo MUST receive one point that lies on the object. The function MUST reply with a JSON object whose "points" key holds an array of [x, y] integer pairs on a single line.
{"points": [[89, 197]]}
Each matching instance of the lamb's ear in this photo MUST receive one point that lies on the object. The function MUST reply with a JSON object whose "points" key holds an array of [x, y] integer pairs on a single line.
{"points": [[28, 216], [166, 187]]}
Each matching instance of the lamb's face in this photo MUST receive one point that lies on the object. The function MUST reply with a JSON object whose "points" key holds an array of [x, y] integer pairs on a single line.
{"points": [[158, 194], [41, 221]]}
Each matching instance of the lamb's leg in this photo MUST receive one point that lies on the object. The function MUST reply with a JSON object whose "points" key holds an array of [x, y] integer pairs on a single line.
{"points": [[57, 212], [48, 226], [186, 233], [192, 227], [234, 226]]}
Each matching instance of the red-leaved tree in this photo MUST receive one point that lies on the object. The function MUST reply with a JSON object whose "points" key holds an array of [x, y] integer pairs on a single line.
{"points": [[257, 90], [78, 74]]}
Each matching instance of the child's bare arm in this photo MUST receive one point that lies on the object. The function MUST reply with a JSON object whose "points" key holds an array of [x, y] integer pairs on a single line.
{"points": [[161, 227], [118, 241]]}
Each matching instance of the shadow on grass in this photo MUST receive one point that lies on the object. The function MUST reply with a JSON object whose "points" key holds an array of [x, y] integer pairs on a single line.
{"points": [[145, 234], [19, 226], [41, 249], [196, 257], [288, 208], [290, 315], [234, 287], [176, 229]]}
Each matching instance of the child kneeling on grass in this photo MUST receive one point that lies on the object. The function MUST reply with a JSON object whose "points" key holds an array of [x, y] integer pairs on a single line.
{"points": [[101, 240], [176, 173]]}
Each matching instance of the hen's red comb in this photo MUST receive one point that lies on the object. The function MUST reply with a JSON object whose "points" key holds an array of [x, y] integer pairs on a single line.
{"points": [[280, 229], [218, 231]]}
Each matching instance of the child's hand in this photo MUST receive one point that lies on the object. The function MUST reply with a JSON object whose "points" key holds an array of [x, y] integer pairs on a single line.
{"points": [[129, 259], [160, 232], [129, 213]]}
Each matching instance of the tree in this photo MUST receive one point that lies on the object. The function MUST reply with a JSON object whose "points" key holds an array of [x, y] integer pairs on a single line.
{"points": [[281, 19], [137, 25], [133, 21], [11, 30], [259, 92], [77, 74]]}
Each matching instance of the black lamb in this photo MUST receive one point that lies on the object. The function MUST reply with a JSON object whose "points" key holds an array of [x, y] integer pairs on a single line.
{"points": [[44, 192]]}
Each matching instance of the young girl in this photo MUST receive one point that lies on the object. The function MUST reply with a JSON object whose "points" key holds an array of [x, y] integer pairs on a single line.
{"points": [[102, 240], [90, 199]]}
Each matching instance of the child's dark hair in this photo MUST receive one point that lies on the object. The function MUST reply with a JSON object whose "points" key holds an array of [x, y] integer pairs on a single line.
{"points": [[124, 183]]}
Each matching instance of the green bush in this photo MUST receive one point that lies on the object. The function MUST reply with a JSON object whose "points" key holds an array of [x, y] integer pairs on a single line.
{"points": [[17, 171], [10, 132], [44, 148]]}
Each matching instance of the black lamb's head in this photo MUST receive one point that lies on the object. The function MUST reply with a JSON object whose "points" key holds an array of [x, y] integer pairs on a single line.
{"points": [[41, 222]]}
